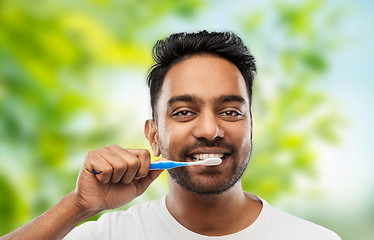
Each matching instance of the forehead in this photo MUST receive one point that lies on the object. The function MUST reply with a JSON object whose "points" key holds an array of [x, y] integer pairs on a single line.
{"points": [[205, 76]]}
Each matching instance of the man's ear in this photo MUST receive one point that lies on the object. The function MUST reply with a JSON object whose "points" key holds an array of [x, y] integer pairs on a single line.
{"points": [[150, 132]]}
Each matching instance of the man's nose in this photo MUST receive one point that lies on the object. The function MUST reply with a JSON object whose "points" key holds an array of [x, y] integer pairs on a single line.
{"points": [[208, 127]]}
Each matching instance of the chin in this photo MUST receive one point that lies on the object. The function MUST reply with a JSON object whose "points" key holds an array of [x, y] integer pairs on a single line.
{"points": [[207, 184]]}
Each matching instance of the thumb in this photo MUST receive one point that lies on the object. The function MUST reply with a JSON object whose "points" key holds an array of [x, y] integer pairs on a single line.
{"points": [[153, 174], [143, 183]]}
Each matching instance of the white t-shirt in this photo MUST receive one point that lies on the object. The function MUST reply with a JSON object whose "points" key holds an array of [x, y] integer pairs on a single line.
{"points": [[152, 220]]}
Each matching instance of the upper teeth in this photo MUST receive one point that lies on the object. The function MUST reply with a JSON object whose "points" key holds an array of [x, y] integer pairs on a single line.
{"points": [[201, 157]]}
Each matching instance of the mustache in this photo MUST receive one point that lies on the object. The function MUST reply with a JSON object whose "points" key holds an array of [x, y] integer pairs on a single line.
{"points": [[204, 143]]}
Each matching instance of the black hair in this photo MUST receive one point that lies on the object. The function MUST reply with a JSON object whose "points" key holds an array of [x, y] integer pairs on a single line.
{"points": [[180, 46]]}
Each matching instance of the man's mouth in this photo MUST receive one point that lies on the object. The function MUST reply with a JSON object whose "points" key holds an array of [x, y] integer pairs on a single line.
{"points": [[203, 156]]}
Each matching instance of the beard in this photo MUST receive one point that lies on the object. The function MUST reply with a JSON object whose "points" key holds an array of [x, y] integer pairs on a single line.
{"points": [[210, 181]]}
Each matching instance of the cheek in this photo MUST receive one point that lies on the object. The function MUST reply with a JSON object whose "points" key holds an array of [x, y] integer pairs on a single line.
{"points": [[178, 134], [172, 138], [240, 135]]}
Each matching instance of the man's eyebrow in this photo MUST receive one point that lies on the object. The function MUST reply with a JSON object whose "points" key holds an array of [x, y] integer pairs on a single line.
{"points": [[194, 99], [231, 98], [182, 98]]}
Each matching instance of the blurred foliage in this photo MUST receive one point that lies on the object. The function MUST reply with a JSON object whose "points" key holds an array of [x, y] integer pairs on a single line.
{"points": [[291, 116], [53, 110], [47, 55]]}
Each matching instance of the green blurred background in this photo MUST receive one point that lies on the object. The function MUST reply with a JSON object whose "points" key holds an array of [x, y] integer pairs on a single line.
{"points": [[72, 79]]}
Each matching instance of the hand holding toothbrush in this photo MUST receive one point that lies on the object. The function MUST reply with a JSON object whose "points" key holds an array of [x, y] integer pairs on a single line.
{"points": [[122, 175]]}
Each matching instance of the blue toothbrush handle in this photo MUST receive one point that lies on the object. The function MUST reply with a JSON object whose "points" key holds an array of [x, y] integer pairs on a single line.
{"points": [[166, 165], [161, 165]]}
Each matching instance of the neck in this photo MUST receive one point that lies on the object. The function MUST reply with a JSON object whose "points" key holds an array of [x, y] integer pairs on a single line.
{"points": [[212, 215]]}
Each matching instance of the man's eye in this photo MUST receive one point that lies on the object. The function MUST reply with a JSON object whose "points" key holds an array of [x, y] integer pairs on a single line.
{"points": [[231, 113], [183, 114]]}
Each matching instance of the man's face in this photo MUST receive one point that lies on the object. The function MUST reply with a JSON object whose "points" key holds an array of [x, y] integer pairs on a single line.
{"points": [[203, 109]]}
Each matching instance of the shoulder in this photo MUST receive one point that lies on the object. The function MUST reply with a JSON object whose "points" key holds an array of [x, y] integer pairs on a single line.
{"points": [[301, 227], [130, 215], [135, 214], [286, 226], [110, 224]]}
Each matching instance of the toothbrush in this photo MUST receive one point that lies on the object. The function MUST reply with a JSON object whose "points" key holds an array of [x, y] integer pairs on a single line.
{"points": [[172, 164]]}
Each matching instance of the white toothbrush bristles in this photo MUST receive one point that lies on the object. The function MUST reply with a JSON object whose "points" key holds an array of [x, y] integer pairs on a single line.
{"points": [[207, 162], [212, 161]]}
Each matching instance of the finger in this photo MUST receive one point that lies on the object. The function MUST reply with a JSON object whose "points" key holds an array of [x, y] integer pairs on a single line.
{"points": [[102, 167], [145, 160], [132, 161], [133, 165], [118, 164]]}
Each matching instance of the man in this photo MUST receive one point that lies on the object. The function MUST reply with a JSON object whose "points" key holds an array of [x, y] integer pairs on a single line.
{"points": [[201, 88]]}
